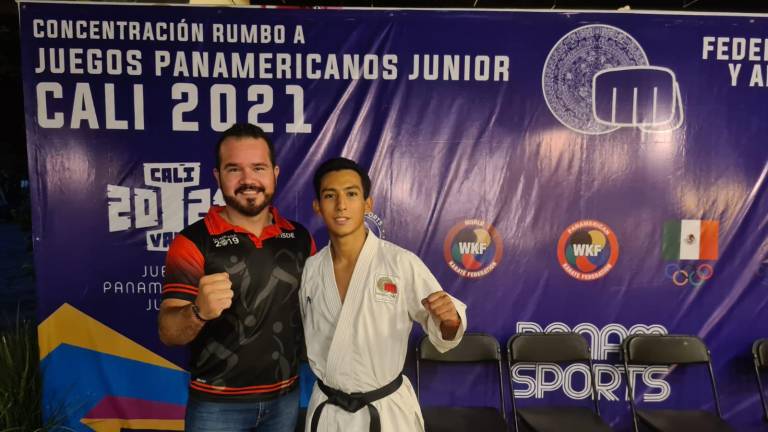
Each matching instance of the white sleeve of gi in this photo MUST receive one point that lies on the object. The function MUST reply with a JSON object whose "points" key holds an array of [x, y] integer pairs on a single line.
{"points": [[421, 284]]}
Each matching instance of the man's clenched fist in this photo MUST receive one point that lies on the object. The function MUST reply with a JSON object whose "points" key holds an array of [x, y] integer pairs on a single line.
{"points": [[440, 305], [214, 295]]}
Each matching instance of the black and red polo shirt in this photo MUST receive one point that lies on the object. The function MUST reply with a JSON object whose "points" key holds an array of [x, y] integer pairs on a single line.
{"points": [[251, 351]]}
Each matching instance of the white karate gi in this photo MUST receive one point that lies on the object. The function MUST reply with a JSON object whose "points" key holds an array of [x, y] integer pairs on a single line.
{"points": [[361, 346]]}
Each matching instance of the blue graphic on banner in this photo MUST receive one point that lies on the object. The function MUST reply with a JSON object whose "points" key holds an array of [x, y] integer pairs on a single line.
{"points": [[514, 152]]}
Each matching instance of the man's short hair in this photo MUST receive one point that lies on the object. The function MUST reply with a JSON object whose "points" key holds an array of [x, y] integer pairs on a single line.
{"points": [[244, 130], [338, 164]]}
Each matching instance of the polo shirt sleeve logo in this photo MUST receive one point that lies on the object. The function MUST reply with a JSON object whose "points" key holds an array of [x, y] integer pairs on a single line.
{"points": [[225, 240]]}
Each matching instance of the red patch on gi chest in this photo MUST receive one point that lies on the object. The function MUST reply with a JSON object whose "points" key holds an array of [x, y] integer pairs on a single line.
{"points": [[390, 288]]}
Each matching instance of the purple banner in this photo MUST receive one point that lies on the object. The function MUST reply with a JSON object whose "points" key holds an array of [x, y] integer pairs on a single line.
{"points": [[596, 172]]}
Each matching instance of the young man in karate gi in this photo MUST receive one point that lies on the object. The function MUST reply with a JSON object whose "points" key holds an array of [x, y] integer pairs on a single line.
{"points": [[359, 298]]}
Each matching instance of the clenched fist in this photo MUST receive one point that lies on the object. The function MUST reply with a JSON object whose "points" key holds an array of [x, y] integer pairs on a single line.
{"points": [[214, 295], [440, 305]]}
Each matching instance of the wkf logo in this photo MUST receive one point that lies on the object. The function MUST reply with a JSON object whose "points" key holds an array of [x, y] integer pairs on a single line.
{"points": [[587, 250], [165, 208], [473, 248]]}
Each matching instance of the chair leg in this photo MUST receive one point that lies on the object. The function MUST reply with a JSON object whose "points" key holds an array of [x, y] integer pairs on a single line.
{"points": [[760, 390]]}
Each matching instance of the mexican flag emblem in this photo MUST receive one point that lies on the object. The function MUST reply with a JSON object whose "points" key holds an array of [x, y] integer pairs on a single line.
{"points": [[690, 239]]}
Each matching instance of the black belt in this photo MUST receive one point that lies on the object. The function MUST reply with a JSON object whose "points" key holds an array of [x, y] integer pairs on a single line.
{"points": [[356, 401]]}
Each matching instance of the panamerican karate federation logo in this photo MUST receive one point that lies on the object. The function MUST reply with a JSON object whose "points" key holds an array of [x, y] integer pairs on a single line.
{"points": [[473, 248], [163, 217], [587, 250]]}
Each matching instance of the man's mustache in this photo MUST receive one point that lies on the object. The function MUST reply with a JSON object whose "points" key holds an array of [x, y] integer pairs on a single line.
{"points": [[245, 188]]}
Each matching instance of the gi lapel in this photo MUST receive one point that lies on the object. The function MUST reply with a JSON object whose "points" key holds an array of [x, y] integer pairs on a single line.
{"points": [[352, 305], [329, 291]]}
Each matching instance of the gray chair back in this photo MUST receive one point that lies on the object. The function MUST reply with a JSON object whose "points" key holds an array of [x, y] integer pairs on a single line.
{"points": [[549, 348], [473, 348], [665, 350], [760, 357], [645, 350]]}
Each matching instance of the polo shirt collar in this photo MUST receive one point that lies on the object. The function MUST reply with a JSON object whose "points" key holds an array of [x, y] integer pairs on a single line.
{"points": [[216, 225]]}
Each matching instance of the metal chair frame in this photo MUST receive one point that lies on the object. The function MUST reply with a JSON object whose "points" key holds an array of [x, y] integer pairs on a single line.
{"points": [[628, 361], [587, 359], [760, 363], [470, 359]]}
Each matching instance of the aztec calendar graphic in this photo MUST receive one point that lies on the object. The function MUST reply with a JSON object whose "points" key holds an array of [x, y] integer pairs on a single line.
{"points": [[574, 61]]}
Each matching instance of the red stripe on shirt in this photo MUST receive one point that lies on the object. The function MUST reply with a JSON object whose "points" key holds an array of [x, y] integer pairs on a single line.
{"points": [[270, 388], [187, 289]]}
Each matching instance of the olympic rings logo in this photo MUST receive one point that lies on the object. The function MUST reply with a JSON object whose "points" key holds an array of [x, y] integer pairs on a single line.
{"points": [[696, 275]]}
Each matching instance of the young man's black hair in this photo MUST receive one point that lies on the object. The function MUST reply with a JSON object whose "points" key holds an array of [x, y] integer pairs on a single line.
{"points": [[338, 164]]}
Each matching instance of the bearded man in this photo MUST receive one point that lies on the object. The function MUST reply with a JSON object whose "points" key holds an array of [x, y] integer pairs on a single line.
{"points": [[230, 295]]}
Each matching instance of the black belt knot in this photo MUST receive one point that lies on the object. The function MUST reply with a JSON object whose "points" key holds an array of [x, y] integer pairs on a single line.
{"points": [[353, 402]]}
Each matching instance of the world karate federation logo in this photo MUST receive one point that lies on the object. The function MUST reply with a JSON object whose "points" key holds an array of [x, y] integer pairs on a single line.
{"points": [[597, 79], [587, 250], [473, 248]]}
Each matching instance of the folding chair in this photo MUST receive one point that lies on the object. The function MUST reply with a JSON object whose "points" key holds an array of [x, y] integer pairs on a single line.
{"points": [[672, 350], [559, 348], [760, 356], [474, 348]]}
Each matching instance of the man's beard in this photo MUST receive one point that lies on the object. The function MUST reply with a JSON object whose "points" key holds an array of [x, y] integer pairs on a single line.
{"points": [[249, 208]]}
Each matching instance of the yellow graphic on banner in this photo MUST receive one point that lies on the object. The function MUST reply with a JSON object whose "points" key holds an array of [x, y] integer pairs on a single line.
{"points": [[67, 325], [116, 425]]}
